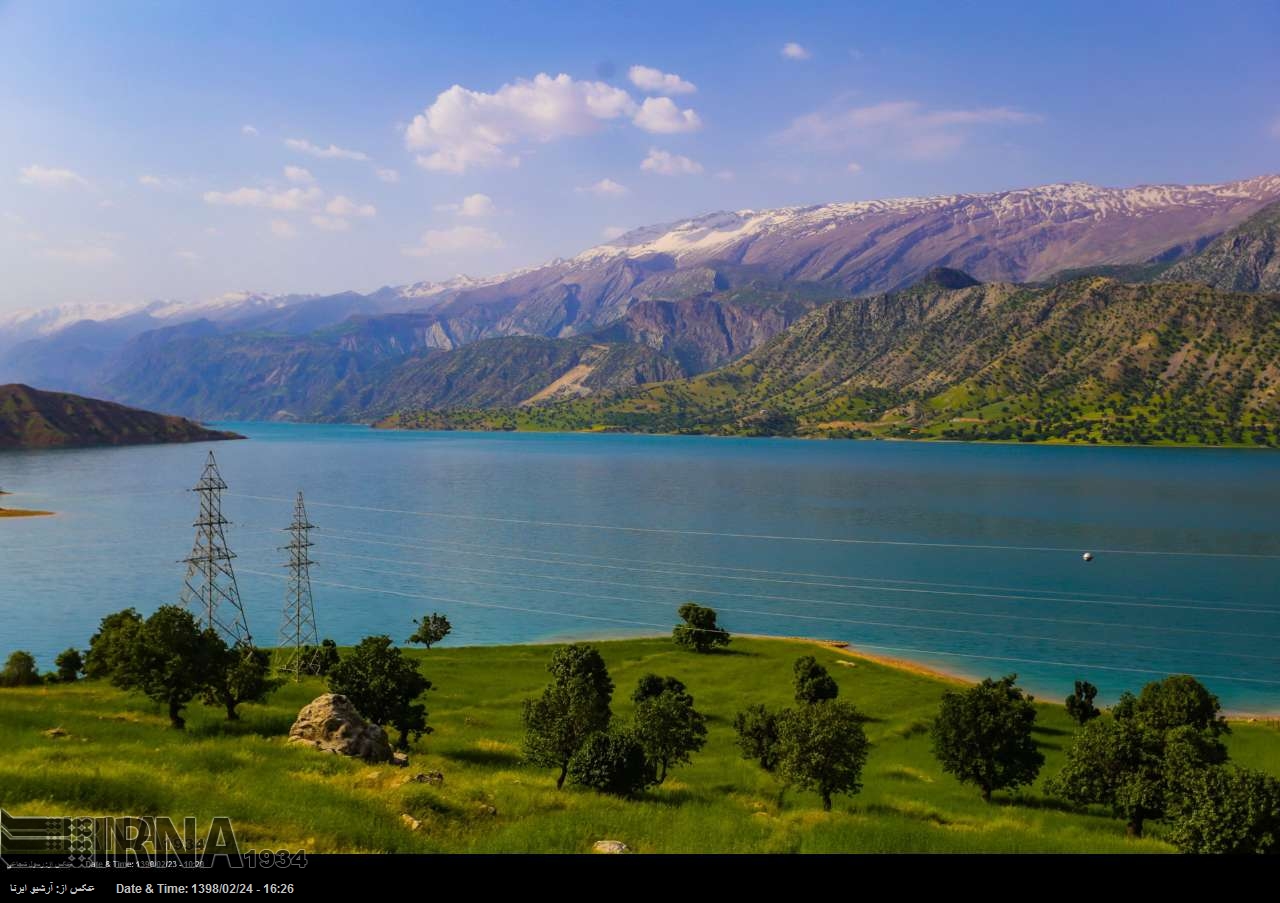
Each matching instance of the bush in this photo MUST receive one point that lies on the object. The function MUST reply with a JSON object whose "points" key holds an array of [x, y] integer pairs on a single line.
{"points": [[112, 645], [822, 747], [813, 683], [243, 675], [20, 670], [982, 735], [574, 706], [383, 685], [1228, 810], [1080, 703], [612, 762], [757, 730], [699, 631], [318, 661], [69, 664]]}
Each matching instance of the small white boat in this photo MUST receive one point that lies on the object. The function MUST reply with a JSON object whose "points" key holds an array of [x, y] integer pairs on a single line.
{"points": [[1087, 556]]}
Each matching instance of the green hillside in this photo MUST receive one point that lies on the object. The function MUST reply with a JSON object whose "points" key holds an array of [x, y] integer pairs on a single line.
{"points": [[1092, 360], [117, 755]]}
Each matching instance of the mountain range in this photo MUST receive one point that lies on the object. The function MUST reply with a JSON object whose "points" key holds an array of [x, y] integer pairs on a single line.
{"points": [[659, 303]]}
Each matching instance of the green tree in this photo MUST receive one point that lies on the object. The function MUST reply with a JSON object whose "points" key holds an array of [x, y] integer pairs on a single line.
{"points": [[699, 631], [652, 685], [812, 681], [982, 735], [243, 675], [1080, 703], [113, 644], [612, 761], [667, 725], [169, 659], [383, 684], [822, 747], [757, 730], [69, 664], [1138, 760], [572, 707], [20, 670], [318, 661], [1227, 810], [431, 629]]}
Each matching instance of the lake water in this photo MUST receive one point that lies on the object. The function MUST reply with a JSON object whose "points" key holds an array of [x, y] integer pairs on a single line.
{"points": [[966, 557]]}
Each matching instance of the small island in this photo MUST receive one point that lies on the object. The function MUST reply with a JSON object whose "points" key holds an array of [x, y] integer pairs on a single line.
{"points": [[20, 512]]}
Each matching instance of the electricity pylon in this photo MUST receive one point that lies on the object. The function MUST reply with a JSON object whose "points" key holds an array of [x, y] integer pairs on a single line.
{"points": [[210, 589], [299, 640]]}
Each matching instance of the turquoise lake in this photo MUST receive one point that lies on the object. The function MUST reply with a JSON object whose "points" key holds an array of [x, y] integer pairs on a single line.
{"points": [[965, 557]]}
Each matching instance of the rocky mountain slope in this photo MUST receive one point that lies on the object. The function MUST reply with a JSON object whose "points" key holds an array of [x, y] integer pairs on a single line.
{"points": [[1244, 259], [1089, 360], [30, 418]]}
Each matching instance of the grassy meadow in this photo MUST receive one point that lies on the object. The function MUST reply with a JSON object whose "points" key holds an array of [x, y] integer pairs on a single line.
{"points": [[118, 756]]}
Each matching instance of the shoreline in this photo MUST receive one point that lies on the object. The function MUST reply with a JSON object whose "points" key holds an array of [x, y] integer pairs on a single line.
{"points": [[24, 512]]}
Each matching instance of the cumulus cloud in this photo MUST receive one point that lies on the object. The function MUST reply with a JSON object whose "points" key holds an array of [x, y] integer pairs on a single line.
{"points": [[291, 199], [605, 188], [458, 240], [463, 128], [902, 126], [342, 205], [330, 223], [854, 167], [299, 175], [283, 229], [388, 175], [793, 51], [661, 116], [612, 232], [332, 152], [87, 254], [665, 163], [51, 177], [655, 81], [473, 205], [154, 181], [247, 129]]}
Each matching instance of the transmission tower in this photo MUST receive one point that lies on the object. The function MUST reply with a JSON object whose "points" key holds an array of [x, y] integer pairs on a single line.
{"points": [[299, 640], [210, 589]]}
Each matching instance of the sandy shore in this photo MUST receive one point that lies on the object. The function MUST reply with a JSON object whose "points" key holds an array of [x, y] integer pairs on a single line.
{"points": [[22, 512]]}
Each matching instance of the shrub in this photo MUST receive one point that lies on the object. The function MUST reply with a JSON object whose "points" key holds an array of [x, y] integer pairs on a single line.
{"points": [[20, 670], [813, 683], [757, 730], [612, 762]]}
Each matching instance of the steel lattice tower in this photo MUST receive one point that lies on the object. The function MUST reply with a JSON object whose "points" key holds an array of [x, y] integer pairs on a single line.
{"points": [[210, 589], [299, 640]]}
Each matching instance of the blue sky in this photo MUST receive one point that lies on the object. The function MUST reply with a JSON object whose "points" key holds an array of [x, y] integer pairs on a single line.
{"points": [[146, 144]]}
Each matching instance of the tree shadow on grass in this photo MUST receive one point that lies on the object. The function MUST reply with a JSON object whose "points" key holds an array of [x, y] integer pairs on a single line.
{"points": [[490, 757], [267, 726], [1035, 802], [1049, 731], [668, 797]]}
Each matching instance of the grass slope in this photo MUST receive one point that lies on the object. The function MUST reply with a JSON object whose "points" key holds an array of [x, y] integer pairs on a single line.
{"points": [[120, 757]]}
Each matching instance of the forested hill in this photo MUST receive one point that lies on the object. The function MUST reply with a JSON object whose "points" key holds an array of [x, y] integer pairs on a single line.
{"points": [[30, 418], [1091, 360]]}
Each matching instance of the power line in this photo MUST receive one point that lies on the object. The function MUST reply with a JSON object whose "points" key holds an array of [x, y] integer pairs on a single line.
{"points": [[762, 536]]}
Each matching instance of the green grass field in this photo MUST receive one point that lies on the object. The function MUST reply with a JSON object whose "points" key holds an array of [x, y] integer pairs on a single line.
{"points": [[119, 757]]}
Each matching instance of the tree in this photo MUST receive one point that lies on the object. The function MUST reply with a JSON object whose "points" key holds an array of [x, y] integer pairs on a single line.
{"points": [[113, 644], [243, 675], [699, 631], [20, 670], [1080, 703], [812, 681], [318, 661], [573, 706], [1228, 810], [431, 629], [612, 761], [822, 747], [757, 730], [69, 664], [652, 685], [383, 685], [982, 735], [169, 658], [667, 725], [1139, 760]]}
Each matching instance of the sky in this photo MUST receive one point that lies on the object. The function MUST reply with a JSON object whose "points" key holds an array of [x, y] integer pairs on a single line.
{"points": [[182, 150]]}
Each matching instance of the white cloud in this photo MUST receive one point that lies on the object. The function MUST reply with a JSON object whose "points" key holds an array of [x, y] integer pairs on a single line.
{"points": [[51, 177], [605, 188], [83, 255], [290, 199], [901, 126], [187, 256], [463, 129], [612, 232], [458, 240], [283, 229], [330, 223], [388, 175], [332, 152], [473, 205], [344, 206], [299, 175], [248, 130], [793, 51], [665, 163], [154, 181], [662, 116], [854, 167], [655, 81]]}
